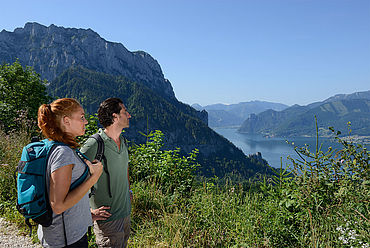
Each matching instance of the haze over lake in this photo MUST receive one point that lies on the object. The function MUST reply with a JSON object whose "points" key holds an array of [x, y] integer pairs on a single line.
{"points": [[272, 149]]}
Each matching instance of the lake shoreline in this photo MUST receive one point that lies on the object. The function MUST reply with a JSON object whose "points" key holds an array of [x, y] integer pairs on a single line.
{"points": [[358, 139], [275, 149]]}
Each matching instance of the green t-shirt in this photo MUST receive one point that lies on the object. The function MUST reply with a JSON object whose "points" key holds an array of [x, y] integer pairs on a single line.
{"points": [[117, 160]]}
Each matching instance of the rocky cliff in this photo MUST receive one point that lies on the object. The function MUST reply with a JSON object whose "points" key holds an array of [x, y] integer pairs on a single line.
{"points": [[51, 50]]}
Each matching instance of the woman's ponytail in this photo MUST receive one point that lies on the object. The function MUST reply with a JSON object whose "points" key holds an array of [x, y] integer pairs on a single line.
{"points": [[49, 120]]}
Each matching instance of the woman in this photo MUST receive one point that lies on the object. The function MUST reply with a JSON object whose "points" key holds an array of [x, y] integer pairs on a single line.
{"points": [[63, 120]]}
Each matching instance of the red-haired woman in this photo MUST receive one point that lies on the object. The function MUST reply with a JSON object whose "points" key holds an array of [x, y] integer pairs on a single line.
{"points": [[63, 120]]}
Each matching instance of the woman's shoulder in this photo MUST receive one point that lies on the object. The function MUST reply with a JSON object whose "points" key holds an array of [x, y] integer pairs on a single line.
{"points": [[62, 149], [61, 155]]}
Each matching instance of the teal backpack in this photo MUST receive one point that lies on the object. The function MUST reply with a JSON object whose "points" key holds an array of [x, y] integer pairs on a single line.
{"points": [[33, 200]]}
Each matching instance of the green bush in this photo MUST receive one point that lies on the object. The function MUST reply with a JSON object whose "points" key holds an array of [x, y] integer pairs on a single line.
{"points": [[328, 195], [173, 173]]}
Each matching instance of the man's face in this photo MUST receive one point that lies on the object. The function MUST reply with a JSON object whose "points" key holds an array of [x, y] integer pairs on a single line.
{"points": [[123, 117]]}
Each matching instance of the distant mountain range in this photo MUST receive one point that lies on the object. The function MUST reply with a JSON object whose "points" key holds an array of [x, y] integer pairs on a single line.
{"points": [[297, 120], [222, 115], [79, 63]]}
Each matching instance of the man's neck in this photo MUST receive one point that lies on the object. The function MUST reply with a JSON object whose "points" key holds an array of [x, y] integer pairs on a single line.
{"points": [[113, 132]]}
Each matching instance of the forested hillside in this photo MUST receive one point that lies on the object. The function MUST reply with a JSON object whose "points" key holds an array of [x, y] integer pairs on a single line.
{"points": [[150, 112]]}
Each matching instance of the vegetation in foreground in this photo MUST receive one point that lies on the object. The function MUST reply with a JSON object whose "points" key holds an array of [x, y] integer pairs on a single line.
{"points": [[321, 200]]}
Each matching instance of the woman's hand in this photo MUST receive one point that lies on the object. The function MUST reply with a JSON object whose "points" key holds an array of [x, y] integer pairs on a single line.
{"points": [[100, 213], [96, 168]]}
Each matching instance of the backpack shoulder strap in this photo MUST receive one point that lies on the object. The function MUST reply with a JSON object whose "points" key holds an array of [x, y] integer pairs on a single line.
{"points": [[100, 152], [84, 174], [100, 156]]}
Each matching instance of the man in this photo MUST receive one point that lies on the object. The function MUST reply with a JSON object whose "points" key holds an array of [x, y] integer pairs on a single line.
{"points": [[112, 191]]}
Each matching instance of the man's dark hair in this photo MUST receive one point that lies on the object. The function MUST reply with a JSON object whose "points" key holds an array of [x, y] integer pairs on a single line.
{"points": [[107, 109]]}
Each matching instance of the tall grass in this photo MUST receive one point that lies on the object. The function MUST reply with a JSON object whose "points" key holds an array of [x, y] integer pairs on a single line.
{"points": [[11, 145]]}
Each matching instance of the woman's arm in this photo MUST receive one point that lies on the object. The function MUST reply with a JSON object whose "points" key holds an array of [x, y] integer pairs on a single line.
{"points": [[61, 198]]}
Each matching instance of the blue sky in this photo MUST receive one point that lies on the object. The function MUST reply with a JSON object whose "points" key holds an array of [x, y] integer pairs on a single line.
{"points": [[229, 51]]}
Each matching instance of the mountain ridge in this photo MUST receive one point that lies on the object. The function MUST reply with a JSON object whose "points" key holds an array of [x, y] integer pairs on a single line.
{"points": [[40, 47], [298, 120], [223, 115]]}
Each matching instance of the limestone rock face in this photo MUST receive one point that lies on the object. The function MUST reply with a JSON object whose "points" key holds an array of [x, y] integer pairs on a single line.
{"points": [[51, 50]]}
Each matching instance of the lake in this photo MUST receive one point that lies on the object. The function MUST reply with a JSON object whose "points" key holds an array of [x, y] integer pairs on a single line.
{"points": [[272, 149]]}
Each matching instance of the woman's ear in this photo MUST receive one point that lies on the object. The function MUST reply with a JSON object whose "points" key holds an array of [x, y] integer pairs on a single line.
{"points": [[65, 120], [64, 123]]}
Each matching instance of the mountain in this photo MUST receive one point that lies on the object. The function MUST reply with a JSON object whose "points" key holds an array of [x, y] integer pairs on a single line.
{"points": [[356, 95], [197, 106], [79, 63], [221, 115], [150, 111], [297, 120], [223, 118], [51, 50], [338, 97]]}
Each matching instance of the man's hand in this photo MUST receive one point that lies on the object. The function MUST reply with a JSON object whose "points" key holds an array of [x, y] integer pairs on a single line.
{"points": [[100, 213]]}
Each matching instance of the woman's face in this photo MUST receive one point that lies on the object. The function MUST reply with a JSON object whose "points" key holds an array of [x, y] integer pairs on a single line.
{"points": [[75, 124]]}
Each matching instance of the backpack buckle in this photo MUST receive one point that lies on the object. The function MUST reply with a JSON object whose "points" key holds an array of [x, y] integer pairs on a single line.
{"points": [[99, 157]]}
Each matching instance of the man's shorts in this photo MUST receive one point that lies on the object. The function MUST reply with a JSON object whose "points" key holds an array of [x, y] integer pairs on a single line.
{"points": [[113, 233]]}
